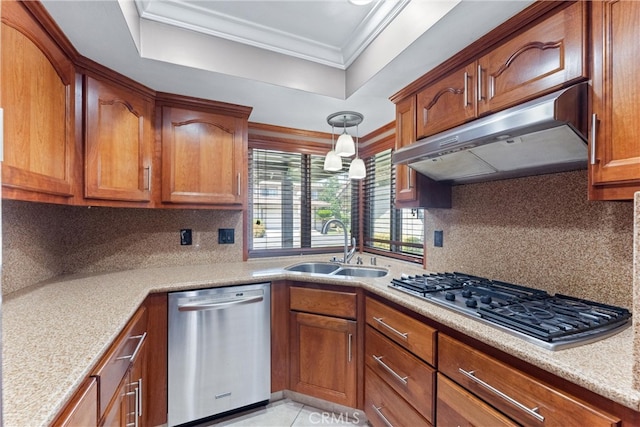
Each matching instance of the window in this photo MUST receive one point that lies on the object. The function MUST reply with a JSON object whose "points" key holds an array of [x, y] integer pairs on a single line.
{"points": [[386, 229], [292, 198]]}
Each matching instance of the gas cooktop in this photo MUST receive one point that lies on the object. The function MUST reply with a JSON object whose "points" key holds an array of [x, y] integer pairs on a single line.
{"points": [[554, 322]]}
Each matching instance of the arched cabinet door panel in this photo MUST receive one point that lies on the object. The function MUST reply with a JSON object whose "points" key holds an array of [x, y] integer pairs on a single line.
{"points": [[38, 99]]}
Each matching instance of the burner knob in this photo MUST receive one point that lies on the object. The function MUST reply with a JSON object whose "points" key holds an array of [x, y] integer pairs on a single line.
{"points": [[449, 296], [485, 299], [467, 293], [471, 303]]}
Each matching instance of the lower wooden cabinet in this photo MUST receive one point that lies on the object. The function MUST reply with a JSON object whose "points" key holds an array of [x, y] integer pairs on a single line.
{"points": [[82, 409], [384, 407], [323, 344], [520, 396], [457, 407], [323, 357]]}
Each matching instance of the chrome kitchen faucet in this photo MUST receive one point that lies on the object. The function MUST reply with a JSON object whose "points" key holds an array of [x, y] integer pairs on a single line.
{"points": [[348, 254]]}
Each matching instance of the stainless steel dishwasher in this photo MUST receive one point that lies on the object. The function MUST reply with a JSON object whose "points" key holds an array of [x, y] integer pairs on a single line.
{"points": [[219, 351]]}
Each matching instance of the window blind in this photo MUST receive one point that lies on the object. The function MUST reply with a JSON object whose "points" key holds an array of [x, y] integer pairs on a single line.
{"points": [[291, 198], [385, 228]]}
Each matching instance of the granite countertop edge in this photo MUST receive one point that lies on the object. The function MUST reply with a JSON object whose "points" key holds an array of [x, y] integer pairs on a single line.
{"points": [[54, 333]]}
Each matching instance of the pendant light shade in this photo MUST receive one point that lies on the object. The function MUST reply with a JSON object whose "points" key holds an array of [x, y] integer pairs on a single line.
{"points": [[345, 147], [357, 169], [332, 162]]}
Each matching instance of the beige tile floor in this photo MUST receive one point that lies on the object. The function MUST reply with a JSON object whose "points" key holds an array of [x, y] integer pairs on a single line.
{"points": [[288, 413]]}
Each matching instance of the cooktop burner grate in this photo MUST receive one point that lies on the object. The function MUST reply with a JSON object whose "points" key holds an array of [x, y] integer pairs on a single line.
{"points": [[553, 322]]}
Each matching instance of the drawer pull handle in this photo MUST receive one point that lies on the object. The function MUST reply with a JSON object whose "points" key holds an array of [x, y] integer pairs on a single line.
{"points": [[402, 379], [594, 135], [379, 412], [391, 328], [133, 355], [531, 411]]}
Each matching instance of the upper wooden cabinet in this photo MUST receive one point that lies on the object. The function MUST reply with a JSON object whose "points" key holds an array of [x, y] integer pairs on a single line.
{"points": [[38, 98], [415, 190], [447, 103], [545, 57], [118, 143], [203, 157], [614, 169]]}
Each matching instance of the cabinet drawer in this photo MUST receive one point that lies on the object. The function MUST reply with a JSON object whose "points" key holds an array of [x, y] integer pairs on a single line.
{"points": [[115, 363], [319, 301], [412, 378], [457, 407], [410, 333], [520, 396], [384, 407]]}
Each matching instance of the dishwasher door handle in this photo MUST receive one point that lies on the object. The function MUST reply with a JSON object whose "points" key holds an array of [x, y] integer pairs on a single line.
{"points": [[219, 305]]}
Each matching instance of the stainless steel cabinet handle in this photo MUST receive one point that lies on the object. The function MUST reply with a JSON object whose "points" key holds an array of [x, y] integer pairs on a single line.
{"points": [[594, 133], [379, 412], [479, 96], [239, 189], [133, 355], [465, 101], [219, 305], [350, 340], [391, 328], [148, 186], [400, 378], [531, 411], [409, 185]]}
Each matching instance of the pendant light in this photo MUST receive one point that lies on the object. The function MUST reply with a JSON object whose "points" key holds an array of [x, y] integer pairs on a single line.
{"points": [[332, 162], [345, 145], [357, 169]]}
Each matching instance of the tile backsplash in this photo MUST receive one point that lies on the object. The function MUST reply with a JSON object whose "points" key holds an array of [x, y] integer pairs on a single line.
{"points": [[538, 231], [42, 241]]}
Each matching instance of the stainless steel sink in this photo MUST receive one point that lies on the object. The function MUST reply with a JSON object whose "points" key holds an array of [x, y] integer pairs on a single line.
{"points": [[336, 269], [361, 272], [314, 267]]}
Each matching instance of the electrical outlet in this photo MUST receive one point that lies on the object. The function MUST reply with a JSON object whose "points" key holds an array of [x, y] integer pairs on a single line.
{"points": [[225, 236], [185, 237], [437, 238]]}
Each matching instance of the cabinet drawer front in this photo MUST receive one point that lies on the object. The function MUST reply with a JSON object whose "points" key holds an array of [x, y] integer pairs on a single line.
{"points": [[385, 407], [456, 406], [114, 365], [520, 396], [410, 333], [318, 301], [413, 379]]}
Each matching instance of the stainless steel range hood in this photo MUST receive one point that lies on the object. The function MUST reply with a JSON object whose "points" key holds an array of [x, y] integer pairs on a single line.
{"points": [[541, 136]]}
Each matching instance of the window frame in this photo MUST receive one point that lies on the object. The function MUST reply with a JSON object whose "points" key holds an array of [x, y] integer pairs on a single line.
{"points": [[294, 146]]}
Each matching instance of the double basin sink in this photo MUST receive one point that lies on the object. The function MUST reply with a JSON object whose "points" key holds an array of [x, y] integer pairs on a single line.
{"points": [[334, 269]]}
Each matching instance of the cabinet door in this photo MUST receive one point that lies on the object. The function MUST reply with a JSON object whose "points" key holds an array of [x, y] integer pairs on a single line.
{"points": [[119, 143], [447, 103], [323, 357], [405, 135], [38, 98], [543, 58], [115, 414], [615, 152], [202, 157], [458, 407]]}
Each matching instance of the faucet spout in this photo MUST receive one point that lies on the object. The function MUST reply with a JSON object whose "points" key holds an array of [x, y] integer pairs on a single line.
{"points": [[347, 254]]}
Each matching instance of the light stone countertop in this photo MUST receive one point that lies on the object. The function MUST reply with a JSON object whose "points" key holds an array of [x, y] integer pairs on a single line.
{"points": [[54, 333]]}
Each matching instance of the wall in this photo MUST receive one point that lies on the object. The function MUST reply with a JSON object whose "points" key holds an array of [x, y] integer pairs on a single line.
{"points": [[43, 241], [539, 231]]}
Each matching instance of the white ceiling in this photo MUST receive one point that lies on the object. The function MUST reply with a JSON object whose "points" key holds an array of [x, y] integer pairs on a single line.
{"points": [[294, 61]]}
